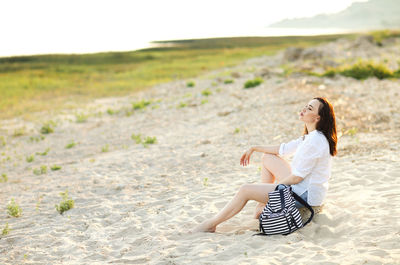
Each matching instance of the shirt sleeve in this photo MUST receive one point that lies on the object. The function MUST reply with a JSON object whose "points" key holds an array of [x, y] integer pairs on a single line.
{"points": [[307, 159], [287, 149]]}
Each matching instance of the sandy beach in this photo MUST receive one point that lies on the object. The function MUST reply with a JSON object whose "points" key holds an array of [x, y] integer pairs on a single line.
{"points": [[134, 204]]}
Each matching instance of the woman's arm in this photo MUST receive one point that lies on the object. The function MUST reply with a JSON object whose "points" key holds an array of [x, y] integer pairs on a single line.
{"points": [[245, 159], [274, 149], [291, 179]]}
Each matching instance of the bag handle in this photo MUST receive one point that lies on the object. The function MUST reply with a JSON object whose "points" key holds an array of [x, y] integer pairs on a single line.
{"points": [[299, 199]]}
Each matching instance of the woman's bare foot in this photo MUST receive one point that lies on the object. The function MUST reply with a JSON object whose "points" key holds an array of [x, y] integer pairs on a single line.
{"points": [[259, 208], [205, 226]]}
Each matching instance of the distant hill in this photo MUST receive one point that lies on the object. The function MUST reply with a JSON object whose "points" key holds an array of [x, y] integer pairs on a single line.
{"points": [[374, 14]]}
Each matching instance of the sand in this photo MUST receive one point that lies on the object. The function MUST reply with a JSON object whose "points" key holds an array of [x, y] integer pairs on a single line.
{"points": [[135, 204]]}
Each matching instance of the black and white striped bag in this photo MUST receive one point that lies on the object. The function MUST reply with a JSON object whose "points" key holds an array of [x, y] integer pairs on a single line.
{"points": [[280, 215]]}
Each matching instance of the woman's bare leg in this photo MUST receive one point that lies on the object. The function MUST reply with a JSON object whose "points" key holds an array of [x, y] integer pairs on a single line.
{"points": [[273, 168], [257, 192]]}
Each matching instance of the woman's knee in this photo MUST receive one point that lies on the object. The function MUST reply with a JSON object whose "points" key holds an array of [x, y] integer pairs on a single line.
{"points": [[267, 158], [244, 189]]}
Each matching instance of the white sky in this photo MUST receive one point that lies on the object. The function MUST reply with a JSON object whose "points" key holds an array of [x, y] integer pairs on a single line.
{"points": [[73, 26]]}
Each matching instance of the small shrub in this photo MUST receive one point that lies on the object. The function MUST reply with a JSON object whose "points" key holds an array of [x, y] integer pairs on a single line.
{"points": [[190, 84], [397, 73], [19, 132], [204, 101], [237, 130], [149, 140], [137, 138], [2, 141], [228, 81], [364, 70], [55, 167], [13, 209], [3, 177], [40, 171], [351, 131], [66, 204], [46, 129], [6, 230], [182, 105], [329, 73], [70, 145], [30, 158], [111, 111], [36, 139], [206, 92], [253, 83], [105, 148], [140, 104], [44, 153], [81, 118], [205, 182]]}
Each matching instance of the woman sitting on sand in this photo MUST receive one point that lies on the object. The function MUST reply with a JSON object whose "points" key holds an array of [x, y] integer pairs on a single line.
{"points": [[308, 173]]}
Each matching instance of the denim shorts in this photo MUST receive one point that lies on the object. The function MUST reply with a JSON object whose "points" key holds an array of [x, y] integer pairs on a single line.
{"points": [[304, 196]]}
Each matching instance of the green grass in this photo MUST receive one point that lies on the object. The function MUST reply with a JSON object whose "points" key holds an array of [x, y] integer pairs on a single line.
{"points": [[40, 171], [137, 138], [36, 138], [66, 203], [47, 128], [3, 177], [149, 140], [43, 153], [140, 104], [363, 70], [70, 145], [30, 158], [206, 92], [253, 83], [380, 35], [81, 118], [105, 148], [190, 84], [51, 82], [6, 230], [13, 209], [144, 141], [55, 167], [182, 105], [19, 132]]}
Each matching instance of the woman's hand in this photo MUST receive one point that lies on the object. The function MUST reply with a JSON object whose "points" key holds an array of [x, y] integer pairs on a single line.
{"points": [[245, 159]]}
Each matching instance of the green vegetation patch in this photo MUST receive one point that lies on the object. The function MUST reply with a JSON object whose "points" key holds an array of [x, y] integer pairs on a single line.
{"points": [[55, 167], [6, 230], [140, 104], [253, 83], [52, 82], [206, 92], [66, 203], [144, 141], [40, 171], [363, 70], [13, 209], [3, 177]]}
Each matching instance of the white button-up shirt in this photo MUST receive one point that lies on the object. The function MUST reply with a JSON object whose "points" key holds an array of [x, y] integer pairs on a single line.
{"points": [[312, 161]]}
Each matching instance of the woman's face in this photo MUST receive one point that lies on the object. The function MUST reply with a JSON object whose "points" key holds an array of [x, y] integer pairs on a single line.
{"points": [[309, 113]]}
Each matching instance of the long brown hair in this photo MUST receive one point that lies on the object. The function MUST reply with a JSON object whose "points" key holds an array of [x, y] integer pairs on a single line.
{"points": [[326, 124]]}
